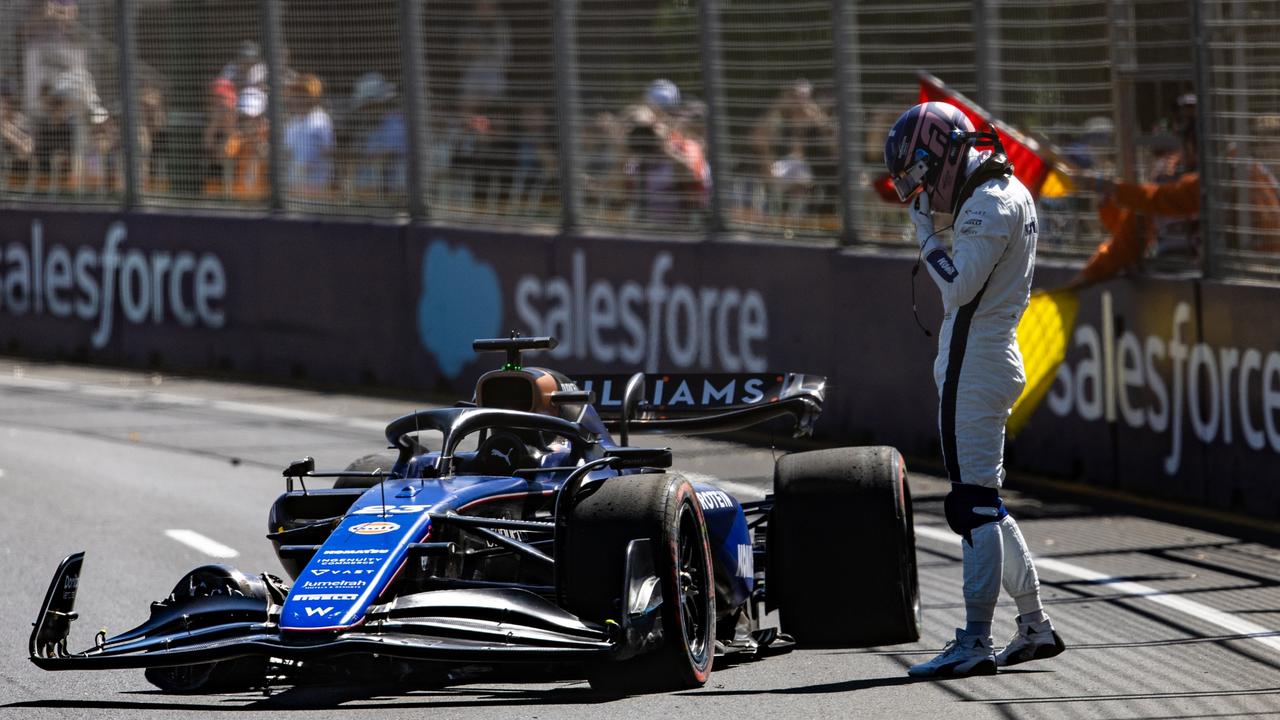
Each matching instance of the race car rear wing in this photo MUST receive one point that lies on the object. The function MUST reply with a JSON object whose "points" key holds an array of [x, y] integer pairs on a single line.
{"points": [[695, 404]]}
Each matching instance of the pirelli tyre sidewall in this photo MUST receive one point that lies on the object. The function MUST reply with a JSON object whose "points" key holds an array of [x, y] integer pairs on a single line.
{"points": [[243, 673], [591, 564], [841, 548]]}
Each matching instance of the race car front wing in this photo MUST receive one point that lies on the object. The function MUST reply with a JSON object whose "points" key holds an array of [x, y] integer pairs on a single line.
{"points": [[480, 625]]}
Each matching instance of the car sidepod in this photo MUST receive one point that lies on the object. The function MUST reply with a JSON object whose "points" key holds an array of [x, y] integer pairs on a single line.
{"points": [[731, 548]]}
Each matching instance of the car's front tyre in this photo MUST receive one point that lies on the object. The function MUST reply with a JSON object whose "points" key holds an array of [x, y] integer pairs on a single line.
{"points": [[591, 564]]}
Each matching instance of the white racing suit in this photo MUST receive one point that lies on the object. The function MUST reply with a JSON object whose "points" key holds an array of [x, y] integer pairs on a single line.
{"points": [[985, 283]]}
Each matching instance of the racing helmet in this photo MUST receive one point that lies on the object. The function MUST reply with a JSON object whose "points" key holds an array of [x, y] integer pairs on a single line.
{"points": [[928, 148]]}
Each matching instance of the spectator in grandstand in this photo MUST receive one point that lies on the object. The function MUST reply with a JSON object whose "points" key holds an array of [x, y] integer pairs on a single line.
{"points": [[153, 131], [249, 150], [17, 146], [795, 142], [485, 48], [54, 45], [603, 151], [535, 159], [308, 138], [54, 134], [380, 136], [1173, 207], [662, 97], [221, 137], [660, 185], [103, 161], [247, 69]]}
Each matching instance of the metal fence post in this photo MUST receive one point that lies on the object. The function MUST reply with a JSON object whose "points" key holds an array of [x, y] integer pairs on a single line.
{"points": [[987, 55], [564, 32], [272, 28], [415, 104], [1210, 178], [128, 105], [713, 88], [847, 81], [1123, 67]]}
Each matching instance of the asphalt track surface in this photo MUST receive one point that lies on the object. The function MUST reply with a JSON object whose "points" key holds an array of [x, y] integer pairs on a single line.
{"points": [[1162, 621]]}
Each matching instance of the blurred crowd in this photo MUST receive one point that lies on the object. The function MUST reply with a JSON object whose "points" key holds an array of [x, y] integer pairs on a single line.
{"points": [[490, 145]]}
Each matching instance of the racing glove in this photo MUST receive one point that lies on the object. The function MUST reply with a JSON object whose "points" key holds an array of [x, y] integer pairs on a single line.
{"points": [[921, 218]]}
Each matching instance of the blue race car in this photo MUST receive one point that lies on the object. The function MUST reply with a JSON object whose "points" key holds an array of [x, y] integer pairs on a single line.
{"points": [[545, 541]]}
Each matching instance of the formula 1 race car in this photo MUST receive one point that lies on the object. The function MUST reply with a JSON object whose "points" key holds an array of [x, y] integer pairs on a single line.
{"points": [[544, 541]]}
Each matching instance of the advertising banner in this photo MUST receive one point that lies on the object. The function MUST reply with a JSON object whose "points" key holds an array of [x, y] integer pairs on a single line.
{"points": [[1169, 388]]}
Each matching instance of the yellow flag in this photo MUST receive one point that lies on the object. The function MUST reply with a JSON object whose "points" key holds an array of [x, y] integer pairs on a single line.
{"points": [[1056, 184], [1042, 338]]}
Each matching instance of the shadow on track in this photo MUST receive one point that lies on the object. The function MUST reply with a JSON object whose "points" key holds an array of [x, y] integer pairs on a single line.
{"points": [[367, 697]]}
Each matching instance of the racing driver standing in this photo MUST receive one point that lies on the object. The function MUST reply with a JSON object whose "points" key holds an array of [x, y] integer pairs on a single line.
{"points": [[985, 279]]}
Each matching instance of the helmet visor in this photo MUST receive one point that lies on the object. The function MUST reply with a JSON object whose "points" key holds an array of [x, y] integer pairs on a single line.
{"points": [[909, 180]]}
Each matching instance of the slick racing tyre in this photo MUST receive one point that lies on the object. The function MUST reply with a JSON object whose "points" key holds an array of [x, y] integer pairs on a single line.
{"points": [[368, 463], [244, 673], [591, 566], [841, 548]]}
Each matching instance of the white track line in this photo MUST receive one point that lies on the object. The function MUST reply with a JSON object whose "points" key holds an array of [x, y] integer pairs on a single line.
{"points": [[208, 546], [164, 398], [1224, 620]]}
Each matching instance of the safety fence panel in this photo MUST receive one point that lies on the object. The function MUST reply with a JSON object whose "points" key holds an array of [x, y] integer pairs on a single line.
{"points": [[491, 154], [1243, 147], [781, 169], [344, 138], [641, 147], [60, 104], [201, 86], [892, 41], [1050, 76]]}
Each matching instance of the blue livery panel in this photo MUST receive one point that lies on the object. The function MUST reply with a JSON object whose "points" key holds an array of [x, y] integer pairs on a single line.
{"points": [[731, 548], [364, 553]]}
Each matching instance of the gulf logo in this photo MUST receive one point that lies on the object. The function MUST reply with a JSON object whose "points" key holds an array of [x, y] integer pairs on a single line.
{"points": [[374, 528]]}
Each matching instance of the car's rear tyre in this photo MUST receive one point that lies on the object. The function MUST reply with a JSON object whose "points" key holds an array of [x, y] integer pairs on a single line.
{"points": [[368, 463], [841, 548], [591, 564], [245, 673]]}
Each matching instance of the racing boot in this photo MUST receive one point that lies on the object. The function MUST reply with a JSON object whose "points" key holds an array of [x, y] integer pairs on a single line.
{"points": [[964, 656], [1032, 641]]}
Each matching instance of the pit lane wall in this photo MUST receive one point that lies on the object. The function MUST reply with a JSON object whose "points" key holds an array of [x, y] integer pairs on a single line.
{"points": [[1176, 396]]}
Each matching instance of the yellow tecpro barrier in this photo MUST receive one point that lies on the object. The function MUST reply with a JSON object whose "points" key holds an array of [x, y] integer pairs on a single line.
{"points": [[1042, 337]]}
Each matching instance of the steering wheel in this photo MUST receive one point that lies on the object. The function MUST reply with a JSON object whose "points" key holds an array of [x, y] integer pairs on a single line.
{"points": [[502, 453]]}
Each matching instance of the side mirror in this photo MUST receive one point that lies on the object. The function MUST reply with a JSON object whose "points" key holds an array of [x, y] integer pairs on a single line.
{"points": [[639, 457], [300, 468]]}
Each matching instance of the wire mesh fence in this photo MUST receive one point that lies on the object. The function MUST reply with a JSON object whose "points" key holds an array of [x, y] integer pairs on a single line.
{"points": [[345, 138], [492, 147], [781, 160], [1243, 143], [642, 116], [1051, 73], [201, 79], [759, 117], [893, 40], [60, 102]]}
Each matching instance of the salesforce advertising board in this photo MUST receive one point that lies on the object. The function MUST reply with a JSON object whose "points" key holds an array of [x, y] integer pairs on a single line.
{"points": [[1175, 392], [95, 280], [1169, 387]]}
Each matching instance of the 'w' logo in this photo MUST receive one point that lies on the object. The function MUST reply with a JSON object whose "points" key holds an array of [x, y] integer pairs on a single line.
{"points": [[746, 562], [321, 611]]}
